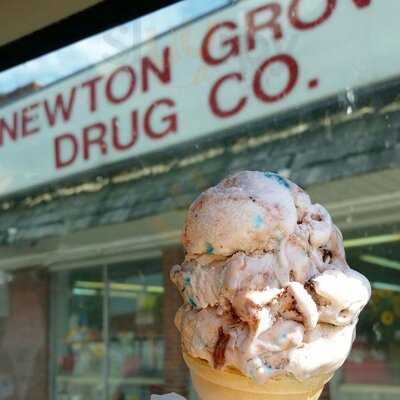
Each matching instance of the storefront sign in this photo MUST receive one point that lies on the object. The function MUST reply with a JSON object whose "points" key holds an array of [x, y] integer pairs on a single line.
{"points": [[245, 62]]}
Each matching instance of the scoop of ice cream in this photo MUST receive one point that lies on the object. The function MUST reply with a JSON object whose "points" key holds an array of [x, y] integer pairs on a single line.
{"points": [[265, 282], [340, 296], [258, 207]]}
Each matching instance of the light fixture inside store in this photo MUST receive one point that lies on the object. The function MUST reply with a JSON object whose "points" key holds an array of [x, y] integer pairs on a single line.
{"points": [[386, 286], [84, 292], [371, 240], [93, 292], [381, 261], [129, 287]]}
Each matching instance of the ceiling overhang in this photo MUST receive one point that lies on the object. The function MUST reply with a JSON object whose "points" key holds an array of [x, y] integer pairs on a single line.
{"points": [[19, 18], [31, 28]]}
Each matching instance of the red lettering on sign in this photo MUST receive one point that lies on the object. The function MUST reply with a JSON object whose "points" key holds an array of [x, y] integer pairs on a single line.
{"points": [[129, 89], [362, 3], [164, 74], [293, 70], [298, 23], [170, 120], [62, 160], [116, 140], [231, 44], [272, 23], [313, 83], [91, 84], [7, 128], [62, 106], [99, 129], [213, 100], [27, 119]]}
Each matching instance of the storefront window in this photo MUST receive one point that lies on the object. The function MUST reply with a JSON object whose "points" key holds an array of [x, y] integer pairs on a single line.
{"points": [[136, 334], [367, 216], [78, 335], [105, 143], [373, 368], [107, 332]]}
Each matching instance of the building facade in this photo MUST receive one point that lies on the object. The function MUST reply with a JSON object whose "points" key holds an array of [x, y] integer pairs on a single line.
{"points": [[90, 225]]}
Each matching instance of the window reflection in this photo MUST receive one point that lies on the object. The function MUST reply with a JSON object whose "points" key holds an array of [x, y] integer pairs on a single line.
{"points": [[78, 334], [136, 346], [107, 332], [372, 370]]}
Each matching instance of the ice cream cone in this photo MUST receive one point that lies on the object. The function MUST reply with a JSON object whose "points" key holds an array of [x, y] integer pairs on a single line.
{"points": [[212, 384]]}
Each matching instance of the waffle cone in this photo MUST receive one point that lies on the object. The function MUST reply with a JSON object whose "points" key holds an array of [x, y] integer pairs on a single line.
{"points": [[212, 384]]}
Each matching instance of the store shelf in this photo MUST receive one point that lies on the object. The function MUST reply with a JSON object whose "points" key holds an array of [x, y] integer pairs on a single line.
{"points": [[95, 380]]}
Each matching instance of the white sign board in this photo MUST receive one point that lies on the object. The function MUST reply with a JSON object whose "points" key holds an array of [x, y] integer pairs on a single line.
{"points": [[245, 62]]}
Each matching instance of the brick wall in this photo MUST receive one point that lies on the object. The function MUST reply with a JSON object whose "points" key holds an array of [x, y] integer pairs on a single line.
{"points": [[24, 340], [175, 373]]}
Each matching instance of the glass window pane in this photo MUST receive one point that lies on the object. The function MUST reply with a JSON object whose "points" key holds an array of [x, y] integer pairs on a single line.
{"points": [[105, 143], [364, 208], [78, 352], [136, 335], [66, 61], [373, 367]]}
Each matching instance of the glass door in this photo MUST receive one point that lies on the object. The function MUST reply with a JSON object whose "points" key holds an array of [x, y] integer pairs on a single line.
{"points": [[107, 332], [136, 340], [78, 338]]}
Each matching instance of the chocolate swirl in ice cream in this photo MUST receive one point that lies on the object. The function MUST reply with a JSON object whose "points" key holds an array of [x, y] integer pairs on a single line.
{"points": [[265, 282]]}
